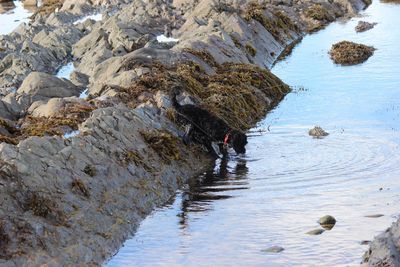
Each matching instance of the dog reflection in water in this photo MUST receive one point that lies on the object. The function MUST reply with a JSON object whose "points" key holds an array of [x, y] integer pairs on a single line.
{"points": [[207, 129]]}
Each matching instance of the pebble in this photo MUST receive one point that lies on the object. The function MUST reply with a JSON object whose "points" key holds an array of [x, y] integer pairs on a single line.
{"points": [[315, 232], [273, 249]]}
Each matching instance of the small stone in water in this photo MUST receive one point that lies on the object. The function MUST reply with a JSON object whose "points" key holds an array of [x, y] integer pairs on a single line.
{"points": [[327, 222], [365, 242], [273, 249], [315, 232], [318, 132]]}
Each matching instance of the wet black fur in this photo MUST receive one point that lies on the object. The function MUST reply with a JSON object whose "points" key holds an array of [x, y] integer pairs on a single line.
{"points": [[206, 127]]}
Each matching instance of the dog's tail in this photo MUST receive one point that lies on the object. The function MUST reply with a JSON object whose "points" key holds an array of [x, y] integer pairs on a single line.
{"points": [[174, 93]]}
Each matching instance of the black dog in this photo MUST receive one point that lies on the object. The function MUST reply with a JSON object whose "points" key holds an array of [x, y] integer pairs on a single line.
{"points": [[207, 129]]}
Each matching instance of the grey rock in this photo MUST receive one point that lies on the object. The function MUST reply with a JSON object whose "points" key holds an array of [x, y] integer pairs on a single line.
{"points": [[273, 249], [363, 26], [42, 86], [315, 232]]}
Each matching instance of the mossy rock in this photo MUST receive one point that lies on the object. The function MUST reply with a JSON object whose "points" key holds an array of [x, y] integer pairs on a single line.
{"points": [[349, 53], [164, 144], [251, 50], [278, 24], [320, 13], [236, 93]]}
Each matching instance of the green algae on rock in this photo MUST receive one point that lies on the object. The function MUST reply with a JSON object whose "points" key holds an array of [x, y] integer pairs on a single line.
{"points": [[349, 53]]}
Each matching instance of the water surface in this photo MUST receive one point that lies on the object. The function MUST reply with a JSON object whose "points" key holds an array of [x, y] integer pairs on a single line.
{"points": [[12, 14], [288, 180]]}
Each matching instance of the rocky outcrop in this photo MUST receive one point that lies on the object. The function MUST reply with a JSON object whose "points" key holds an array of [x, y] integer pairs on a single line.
{"points": [[77, 176], [384, 249], [363, 26]]}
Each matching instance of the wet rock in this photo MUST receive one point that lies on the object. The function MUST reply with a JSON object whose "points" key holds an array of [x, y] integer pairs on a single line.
{"points": [[384, 249], [374, 216], [315, 232], [318, 132], [349, 53], [363, 26], [365, 242], [273, 249], [327, 222]]}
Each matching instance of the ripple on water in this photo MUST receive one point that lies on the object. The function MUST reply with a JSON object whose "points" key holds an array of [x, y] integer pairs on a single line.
{"points": [[288, 180]]}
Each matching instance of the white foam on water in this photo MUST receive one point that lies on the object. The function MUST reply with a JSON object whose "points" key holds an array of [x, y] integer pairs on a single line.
{"points": [[65, 71], [84, 94], [164, 39], [11, 19], [71, 134], [95, 17]]}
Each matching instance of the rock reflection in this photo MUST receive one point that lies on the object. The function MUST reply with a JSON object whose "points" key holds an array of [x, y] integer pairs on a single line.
{"points": [[215, 184]]}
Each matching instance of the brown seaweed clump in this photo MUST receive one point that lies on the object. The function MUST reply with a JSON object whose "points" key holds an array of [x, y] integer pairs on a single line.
{"points": [[240, 94], [72, 116], [164, 144], [320, 13], [349, 53], [49, 6], [276, 24]]}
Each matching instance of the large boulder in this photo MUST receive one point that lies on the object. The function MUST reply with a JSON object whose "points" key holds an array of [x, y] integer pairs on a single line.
{"points": [[42, 86]]}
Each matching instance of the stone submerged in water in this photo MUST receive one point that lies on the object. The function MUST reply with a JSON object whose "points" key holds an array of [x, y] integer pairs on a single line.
{"points": [[363, 26], [315, 232], [317, 132], [273, 249], [327, 222], [349, 53]]}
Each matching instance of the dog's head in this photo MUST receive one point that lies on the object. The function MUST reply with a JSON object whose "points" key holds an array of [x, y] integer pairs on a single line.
{"points": [[238, 142]]}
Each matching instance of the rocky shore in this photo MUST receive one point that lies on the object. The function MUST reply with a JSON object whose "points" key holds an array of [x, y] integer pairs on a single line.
{"points": [[78, 174]]}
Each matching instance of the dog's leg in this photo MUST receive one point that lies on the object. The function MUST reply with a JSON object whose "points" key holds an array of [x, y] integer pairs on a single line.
{"points": [[215, 150], [186, 136]]}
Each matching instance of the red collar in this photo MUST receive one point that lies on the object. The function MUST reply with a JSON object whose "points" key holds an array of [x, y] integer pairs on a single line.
{"points": [[226, 138]]}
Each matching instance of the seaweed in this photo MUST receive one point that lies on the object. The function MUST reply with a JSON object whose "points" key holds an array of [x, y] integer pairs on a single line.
{"points": [[349, 53], [320, 13], [90, 170], [203, 55], [164, 144], [251, 50], [236, 93], [135, 157], [73, 115], [78, 186], [280, 23], [49, 6], [4, 239], [42, 206]]}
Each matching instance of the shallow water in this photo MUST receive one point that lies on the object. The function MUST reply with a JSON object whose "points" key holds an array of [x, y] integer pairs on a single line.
{"points": [[12, 15], [287, 180]]}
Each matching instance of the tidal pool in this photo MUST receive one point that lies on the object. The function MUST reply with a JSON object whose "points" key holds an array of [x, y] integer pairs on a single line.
{"points": [[288, 180]]}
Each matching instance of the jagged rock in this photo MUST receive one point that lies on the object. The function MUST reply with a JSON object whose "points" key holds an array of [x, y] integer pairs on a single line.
{"points": [[384, 249], [363, 26]]}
